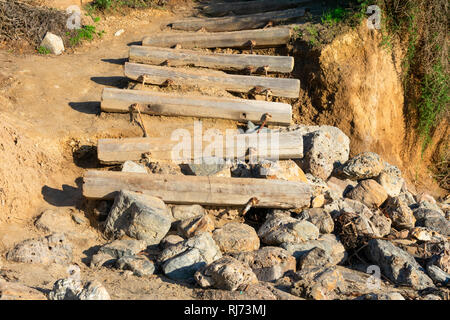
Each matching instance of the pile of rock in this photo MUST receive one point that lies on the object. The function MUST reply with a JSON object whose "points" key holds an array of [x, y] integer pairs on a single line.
{"points": [[361, 217]]}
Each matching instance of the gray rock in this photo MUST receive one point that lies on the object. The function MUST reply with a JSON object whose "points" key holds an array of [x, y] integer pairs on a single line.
{"points": [[182, 260], [315, 258], [46, 250], [398, 265], [236, 237], [401, 215], [279, 229], [73, 289], [320, 218], [368, 192], [130, 166], [53, 43], [391, 180], [139, 265], [268, 263], [210, 167], [226, 273], [122, 248], [438, 275], [407, 198], [340, 186], [327, 242], [433, 220], [183, 212], [366, 165], [325, 149], [138, 216]]}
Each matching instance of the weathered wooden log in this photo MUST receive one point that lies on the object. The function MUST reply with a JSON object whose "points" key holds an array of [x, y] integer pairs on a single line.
{"points": [[249, 7], [211, 191], [271, 37], [157, 103], [221, 61], [235, 23], [212, 79], [182, 148]]}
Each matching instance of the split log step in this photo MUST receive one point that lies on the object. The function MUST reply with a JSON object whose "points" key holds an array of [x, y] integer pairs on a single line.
{"points": [[235, 23], [283, 145], [157, 103], [249, 7], [271, 37], [234, 62], [211, 191], [236, 83]]}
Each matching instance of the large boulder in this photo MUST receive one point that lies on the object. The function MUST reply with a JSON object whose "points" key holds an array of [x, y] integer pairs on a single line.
{"points": [[138, 216], [182, 260], [369, 192], [236, 237], [55, 221], [268, 263], [226, 273], [183, 212], [46, 250], [280, 228], [109, 253], [320, 218], [366, 165], [397, 265], [325, 149], [53, 43]]}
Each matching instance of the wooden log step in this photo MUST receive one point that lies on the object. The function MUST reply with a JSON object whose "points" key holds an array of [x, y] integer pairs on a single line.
{"points": [[235, 23], [211, 191], [284, 145], [157, 103], [212, 79], [249, 7], [271, 37], [222, 61]]}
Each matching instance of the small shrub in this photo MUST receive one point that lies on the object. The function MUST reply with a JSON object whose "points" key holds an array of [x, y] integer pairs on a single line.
{"points": [[43, 50]]}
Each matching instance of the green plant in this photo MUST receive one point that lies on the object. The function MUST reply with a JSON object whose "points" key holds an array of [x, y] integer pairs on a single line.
{"points": [[313, 34], [86, 32], [43, 50], [334, 16]]}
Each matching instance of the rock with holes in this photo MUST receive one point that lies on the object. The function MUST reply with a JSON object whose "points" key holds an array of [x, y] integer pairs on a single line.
{"points": [[196, 225], [226, 273], [433, 220], [268, 263], [391, 180], [320, 218], [368, 192], [315, 258], [366, 165], [131, 166], [53, 43], [398, 265], [401, 215], [280, 228], [325, 149], [74, 289], [16, 291], [318, 284], [140, 265], [46, 250], [236, 237], [327, 242], [138, 216], [182, 260]]}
